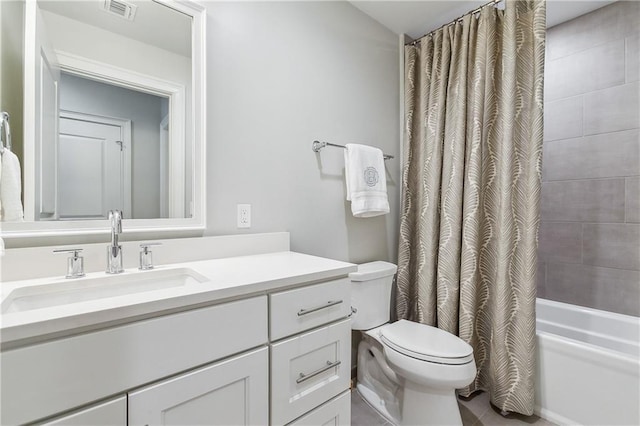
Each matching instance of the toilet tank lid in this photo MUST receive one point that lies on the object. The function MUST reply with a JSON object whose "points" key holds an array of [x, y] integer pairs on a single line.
{"points": [[373, 270]]}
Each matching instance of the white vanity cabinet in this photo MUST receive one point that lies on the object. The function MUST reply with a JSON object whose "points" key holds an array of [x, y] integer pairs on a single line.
{"points": [[231, 392], [272, 352], [41, 380], [312, 364]]}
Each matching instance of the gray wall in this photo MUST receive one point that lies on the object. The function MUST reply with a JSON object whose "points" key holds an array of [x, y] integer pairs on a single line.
{"points": [[279, 76], [590, 233], [145, 112]]}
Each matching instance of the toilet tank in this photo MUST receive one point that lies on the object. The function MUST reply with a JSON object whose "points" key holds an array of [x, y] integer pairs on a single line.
{"points": [[371, 294]]}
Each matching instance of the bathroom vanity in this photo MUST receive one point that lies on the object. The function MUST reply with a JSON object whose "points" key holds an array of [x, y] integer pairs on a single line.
{"points": [[259, 339]]}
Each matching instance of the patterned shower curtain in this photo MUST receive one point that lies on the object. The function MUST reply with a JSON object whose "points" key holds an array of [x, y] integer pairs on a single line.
{"points": [[471, 189]]}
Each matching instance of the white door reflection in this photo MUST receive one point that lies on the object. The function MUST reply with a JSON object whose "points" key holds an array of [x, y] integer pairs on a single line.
{"points": [[93, 171], [140, 180]]}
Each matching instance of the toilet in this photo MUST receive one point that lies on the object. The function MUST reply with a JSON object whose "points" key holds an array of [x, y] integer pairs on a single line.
{"points": [[407, 371]]}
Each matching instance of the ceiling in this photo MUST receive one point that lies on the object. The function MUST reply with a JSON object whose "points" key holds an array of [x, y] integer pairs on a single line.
{"points": [[161, 26], [416, 18], [154, 23]]}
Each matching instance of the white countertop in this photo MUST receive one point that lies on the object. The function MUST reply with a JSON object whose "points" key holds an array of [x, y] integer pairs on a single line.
{"points": [[228, 278]]}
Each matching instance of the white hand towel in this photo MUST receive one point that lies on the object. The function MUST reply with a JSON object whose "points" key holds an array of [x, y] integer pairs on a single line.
{"points": [[10, 188], [1, 181], [366, 180]]}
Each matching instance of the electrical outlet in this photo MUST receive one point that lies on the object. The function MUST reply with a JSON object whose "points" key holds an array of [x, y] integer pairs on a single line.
{"points": [[244, 215]]}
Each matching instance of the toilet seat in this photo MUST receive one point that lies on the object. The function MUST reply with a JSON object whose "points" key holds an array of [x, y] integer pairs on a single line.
{"points": [[426, 343]]}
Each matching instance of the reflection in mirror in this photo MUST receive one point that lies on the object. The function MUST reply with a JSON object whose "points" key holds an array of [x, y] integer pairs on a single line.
{"points": [[116, 97], [121, 131]]}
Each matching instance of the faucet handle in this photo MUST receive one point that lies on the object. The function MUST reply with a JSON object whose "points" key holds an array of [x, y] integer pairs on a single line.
{"points": [[146, 259], [75, 262]]}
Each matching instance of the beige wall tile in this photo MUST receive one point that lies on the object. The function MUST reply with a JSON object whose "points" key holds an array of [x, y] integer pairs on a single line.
{"points": [[632, 200], [599, 156], [560, 242], [612, 22], [563, 119], [596, 68], [593, 200], [612, 245], [612, 110], [591, 161], [614, 290], [632, 58]]}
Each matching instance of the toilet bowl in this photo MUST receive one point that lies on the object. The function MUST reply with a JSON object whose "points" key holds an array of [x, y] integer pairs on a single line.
{"points": [[407, 371]]}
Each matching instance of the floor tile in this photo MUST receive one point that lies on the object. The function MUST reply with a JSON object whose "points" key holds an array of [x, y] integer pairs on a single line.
{"points": [[493, 418], [362, 414], [473, 407], [475, 411]]}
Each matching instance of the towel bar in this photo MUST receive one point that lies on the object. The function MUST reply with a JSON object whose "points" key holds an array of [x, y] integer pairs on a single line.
{"points": [[317, 146]]}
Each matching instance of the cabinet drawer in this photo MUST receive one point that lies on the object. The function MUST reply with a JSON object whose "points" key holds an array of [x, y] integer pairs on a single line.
{"points": [[336, 412], [110, 413], [308, 370], [304, 308]]}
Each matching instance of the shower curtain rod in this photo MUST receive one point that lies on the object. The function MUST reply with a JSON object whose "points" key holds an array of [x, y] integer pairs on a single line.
{"points": [[473, 12]]}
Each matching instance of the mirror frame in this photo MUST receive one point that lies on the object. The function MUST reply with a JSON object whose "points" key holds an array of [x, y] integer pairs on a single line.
{"points": [[175, 226]]}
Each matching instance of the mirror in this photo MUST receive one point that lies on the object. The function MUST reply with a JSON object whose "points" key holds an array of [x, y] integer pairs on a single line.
{"points": [[113, 115]]}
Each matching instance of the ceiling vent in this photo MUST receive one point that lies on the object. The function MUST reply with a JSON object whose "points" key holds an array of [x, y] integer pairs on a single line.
{"points": [[120, 8]]}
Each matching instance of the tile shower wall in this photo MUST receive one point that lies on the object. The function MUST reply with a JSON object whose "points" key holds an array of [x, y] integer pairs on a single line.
{"points": [[590, 232]]}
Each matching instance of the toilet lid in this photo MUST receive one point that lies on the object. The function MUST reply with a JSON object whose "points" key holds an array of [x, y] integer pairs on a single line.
{"points": [[426, 343]]}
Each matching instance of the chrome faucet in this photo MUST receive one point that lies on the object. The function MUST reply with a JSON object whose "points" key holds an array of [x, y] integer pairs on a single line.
{"points": [[114, 251]]}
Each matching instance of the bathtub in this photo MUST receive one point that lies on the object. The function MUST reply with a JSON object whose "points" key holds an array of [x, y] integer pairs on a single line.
{"points": [[588, 365]]}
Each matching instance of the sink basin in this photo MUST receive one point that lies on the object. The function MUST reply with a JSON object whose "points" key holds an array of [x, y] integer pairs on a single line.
{"points": [[66, 292]]}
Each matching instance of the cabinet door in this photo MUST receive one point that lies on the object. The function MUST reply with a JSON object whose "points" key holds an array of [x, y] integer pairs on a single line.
{"points": [[231, 392], [110, 413]]}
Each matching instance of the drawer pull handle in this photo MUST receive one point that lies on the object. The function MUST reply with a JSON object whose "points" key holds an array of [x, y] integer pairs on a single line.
{"points": [[329, 366], [329, 304]]}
